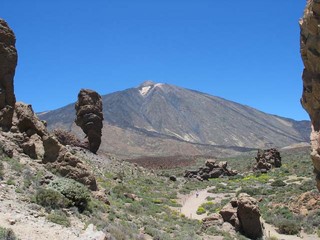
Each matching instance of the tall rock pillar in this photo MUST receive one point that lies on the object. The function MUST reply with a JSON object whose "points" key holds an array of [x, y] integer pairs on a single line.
{"points": [[310, 53], [90, 117], [8, 63]]}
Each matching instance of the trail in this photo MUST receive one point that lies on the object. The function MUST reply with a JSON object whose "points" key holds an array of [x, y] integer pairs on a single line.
{"points": [[191, 203]]}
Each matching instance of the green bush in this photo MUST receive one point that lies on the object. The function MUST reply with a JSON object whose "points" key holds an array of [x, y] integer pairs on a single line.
{"points": [[51, 199], [75, 192], [278, 183], [201, 210], [59, 217], [287, 226], [7, 234]]}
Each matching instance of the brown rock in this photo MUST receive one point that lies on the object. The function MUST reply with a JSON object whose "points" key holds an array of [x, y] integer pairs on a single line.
{"points": [[244, 215], [27, 121], [229, 214], [34, 147], [210, 163], [8, 63], [249, 216], [58, 157], [267, 159], [90, 117], [310, 53]]}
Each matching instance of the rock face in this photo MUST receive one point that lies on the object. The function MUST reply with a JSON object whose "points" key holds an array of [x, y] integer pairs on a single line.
{"points": [[267, 159], [211, 170], [8, 63], [310, 53], [244, 215], [90, 117], [68, 165]]}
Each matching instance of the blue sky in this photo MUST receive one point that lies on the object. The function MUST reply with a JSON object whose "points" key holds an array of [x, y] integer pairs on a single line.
{"points": [[244, 51]]}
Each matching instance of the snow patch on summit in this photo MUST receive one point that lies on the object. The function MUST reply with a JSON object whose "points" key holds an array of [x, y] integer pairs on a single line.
{"points": [[143, 91], [146, 89]]}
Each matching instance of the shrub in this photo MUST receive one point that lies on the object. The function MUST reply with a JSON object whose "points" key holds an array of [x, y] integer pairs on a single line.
{"points": [[74, 191], [287, 226], [7, 234], [278, 183], [59, 217], [51, 199], [201, 210], [11, 181], [67, 138]]}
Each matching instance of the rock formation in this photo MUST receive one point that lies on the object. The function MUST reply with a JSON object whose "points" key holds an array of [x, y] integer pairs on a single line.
{"points": [[28, 135], [267, 159], [8, 63], [90, 117], [310, 53], [211, 170], [244, 215]]}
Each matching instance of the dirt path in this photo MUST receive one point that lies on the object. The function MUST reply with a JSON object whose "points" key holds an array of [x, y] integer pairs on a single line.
{"points": [[191, 202]]}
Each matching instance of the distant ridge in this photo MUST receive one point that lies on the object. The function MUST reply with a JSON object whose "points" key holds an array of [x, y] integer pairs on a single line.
{"points": [[143, 120]]}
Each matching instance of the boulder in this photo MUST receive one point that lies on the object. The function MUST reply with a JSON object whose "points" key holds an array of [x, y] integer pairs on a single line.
{"points": [[310, 53], [173, 178], [249, 217], [34, 147], [229, 214], [27, 121], [90, 117], [244, 215], [8, 63]]}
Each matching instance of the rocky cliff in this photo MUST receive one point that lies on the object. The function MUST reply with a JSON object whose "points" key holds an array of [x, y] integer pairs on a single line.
{"points": [[310, 52]]}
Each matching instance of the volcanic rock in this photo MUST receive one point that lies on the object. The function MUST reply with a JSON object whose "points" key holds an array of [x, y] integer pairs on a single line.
{"points": [[244, 215], [27, 121], [249, 217], [310, 53], [267, 159], [68, 165], [8, 63], [90, 117], [212, 169]]}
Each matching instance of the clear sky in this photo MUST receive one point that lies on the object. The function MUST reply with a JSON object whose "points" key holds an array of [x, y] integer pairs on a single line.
{"points": [[244, 51]]}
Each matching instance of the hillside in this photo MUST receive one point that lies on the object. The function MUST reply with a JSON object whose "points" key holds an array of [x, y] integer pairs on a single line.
{"points": [[158, 115]]}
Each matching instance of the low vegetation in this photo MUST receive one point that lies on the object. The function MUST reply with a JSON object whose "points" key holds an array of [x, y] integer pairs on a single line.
{"points": [[7, 234]]}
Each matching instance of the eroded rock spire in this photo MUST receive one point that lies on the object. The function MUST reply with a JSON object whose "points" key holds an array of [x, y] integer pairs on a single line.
{"points": [[90, 117], [8, 63]]}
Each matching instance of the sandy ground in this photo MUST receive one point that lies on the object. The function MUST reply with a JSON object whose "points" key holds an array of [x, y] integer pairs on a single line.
{"points": [[191, 202]]}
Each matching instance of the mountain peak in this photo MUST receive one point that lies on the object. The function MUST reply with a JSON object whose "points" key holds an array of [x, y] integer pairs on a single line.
{"points": [[147, 86], [147, 83]]}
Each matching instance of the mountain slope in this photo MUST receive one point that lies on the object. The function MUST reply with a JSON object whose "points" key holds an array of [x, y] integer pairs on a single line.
{"points": [[170, 112]]}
